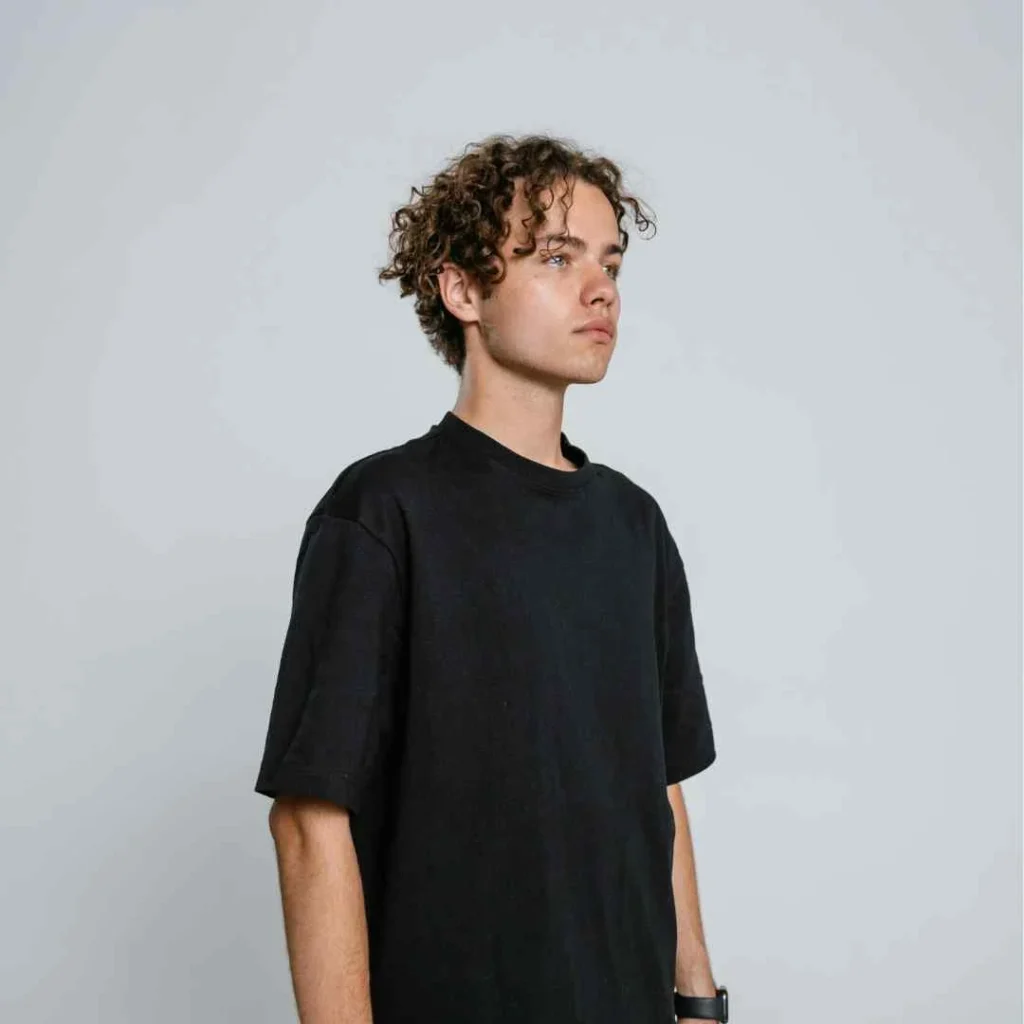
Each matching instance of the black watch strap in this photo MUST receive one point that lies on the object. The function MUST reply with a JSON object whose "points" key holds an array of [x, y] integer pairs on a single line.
{"points": [[714, 1007]]}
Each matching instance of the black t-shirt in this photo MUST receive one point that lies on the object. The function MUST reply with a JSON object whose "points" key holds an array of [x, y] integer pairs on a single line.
{"points": [[490, 662]]}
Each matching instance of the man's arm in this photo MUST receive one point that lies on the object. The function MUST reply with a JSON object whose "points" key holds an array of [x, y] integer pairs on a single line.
{"points": [[693, 966], [324, 911]]}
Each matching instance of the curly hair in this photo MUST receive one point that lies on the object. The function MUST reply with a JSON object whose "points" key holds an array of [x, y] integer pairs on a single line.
{"points": [[459, 218]]}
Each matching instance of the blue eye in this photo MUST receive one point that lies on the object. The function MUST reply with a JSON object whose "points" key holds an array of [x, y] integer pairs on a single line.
{"points": [[561, 256]]}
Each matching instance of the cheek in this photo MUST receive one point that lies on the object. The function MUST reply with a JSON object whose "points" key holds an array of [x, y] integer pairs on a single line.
{"points": [[544, 299], [530, 309]]}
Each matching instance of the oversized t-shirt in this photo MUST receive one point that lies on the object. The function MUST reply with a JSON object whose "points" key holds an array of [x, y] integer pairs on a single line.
{"points": [[490, 663]]}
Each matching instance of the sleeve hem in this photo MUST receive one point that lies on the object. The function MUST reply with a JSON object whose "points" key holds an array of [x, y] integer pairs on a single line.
{"points": [[676, 770], [291, 780]]}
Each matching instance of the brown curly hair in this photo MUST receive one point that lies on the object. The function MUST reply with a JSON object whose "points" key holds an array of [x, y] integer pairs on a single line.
{"points": [[459, 218]]}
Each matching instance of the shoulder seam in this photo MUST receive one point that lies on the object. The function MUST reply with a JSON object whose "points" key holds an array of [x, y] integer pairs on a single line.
{"points": [[368, 532]]}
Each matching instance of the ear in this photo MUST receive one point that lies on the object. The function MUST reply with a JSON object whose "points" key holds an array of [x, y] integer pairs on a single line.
{"points": [[460, 295]]}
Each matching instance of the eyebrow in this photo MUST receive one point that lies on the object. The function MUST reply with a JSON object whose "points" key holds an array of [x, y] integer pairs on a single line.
{"points": [[577, 243]]}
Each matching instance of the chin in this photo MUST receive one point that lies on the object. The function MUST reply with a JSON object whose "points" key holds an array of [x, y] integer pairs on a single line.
{"points": [[596, 374]]}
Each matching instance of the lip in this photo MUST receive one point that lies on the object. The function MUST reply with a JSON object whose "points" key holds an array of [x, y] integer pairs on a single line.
{"points": [[602, 327]]}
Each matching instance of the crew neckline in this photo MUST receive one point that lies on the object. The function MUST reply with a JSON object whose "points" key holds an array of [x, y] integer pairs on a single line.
{"points": [[537, 473]]}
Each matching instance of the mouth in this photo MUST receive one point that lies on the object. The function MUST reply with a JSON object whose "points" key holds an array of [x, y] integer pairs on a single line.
{"points": [[598, 333]]}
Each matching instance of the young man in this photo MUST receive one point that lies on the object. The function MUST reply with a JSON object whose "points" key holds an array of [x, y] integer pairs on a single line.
{"points": [[489, 689]]}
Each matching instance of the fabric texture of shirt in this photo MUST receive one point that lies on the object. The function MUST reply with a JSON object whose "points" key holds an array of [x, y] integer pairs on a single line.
{"points": [[490, 662]]}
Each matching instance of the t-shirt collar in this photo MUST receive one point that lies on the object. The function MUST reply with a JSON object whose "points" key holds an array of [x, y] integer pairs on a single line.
{"points": [[547, 477]]}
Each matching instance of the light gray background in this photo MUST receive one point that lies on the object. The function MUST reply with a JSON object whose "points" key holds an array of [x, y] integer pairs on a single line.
{"points": [[818, 375]]}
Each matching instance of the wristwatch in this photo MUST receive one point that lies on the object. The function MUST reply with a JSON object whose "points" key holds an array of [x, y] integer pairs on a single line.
{"points": [[714, 1007]]}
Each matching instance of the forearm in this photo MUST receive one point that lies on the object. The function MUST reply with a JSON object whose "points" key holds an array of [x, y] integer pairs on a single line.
{"points": [[325, 922], [693, 966]]}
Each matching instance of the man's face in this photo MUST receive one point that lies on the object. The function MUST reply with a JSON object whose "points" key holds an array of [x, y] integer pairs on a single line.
{"points": [[531, 321]]}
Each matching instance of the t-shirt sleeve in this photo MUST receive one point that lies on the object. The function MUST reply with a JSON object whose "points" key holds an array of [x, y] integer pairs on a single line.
{"points": [[334, 696], [686, 723]]}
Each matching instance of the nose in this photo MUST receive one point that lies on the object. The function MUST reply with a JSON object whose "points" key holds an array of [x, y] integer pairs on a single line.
{"points": [[598, 286]]}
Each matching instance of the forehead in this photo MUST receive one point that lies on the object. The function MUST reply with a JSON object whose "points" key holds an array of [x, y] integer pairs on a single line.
{"points": [[590, 215]]}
